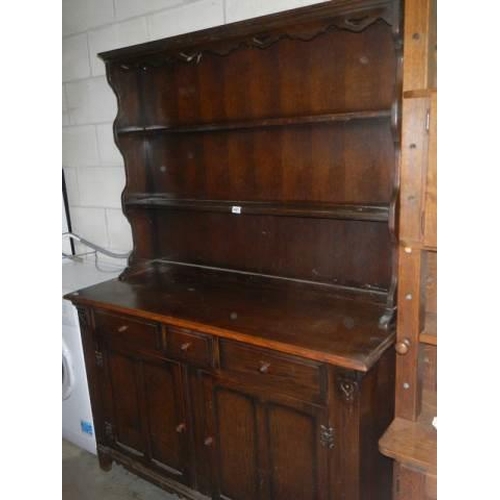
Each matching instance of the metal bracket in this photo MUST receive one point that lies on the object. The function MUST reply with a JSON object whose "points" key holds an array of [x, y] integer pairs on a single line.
{"points": [[327, 437], [99, 361], [108, 430]]}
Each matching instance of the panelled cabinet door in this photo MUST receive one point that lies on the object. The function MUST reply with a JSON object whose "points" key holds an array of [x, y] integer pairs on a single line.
{"points": [[264, 447], [297, 459], [145, 412], [167, 425], [124, 422]]}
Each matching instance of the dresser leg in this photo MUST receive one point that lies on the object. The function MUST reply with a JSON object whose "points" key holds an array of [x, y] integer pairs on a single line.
{"points": [[105, 461]]}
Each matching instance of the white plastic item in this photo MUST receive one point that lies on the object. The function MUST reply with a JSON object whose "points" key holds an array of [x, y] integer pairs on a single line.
{"points": [[68, 372], [77, 424]]}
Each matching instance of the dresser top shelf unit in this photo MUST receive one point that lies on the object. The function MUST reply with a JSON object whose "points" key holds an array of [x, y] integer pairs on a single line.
{"points": [[318, 322]]}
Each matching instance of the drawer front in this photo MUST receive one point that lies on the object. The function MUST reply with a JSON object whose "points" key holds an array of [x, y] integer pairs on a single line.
{"points": [[289, 375], [189, 346], [126, 330]]}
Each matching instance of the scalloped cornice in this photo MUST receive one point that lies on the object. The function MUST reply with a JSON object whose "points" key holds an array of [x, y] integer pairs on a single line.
{"points": [[260, 33]]}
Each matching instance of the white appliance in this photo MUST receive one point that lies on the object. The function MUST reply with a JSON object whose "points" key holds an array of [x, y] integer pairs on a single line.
{"points": [[77, 425]]}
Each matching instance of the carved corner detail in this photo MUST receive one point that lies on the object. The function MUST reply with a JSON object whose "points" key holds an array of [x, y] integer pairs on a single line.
{"points": [[348, 388], [108, 430]]}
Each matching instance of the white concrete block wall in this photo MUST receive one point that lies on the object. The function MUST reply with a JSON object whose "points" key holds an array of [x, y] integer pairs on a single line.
{"points": [[113, 36], [182, 19], [75, 57], [93, 165], [237, 10]]}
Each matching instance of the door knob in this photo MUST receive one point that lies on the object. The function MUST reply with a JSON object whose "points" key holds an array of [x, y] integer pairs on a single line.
{"points": [[264, 367], [185, 346], [403, 346]]}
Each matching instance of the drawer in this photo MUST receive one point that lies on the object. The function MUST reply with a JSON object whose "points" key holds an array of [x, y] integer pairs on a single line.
{"points": [[286, 374], [192, 347], [126, 330]]}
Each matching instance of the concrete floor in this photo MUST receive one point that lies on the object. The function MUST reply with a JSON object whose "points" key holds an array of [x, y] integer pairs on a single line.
{"points": [[82, 479]]}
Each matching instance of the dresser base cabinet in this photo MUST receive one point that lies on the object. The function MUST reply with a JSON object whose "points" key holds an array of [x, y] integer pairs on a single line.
{"points": [[253, 423]]}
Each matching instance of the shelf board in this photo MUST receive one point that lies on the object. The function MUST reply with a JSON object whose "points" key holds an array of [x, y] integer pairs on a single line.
{"points": [[411, 443], [378, 212], [429, 248], [419, 93], [429, 333], [257, 123]]}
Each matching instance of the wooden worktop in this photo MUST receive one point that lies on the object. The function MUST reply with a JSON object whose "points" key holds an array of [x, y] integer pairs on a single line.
{"points": [[315, 321]]}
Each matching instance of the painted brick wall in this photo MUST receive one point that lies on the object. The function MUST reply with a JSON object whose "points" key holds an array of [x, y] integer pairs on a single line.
{"points": [[93, 166]]}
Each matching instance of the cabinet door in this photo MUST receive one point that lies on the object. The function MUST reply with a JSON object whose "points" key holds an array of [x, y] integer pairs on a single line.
{"points": [[264, 447], [125, 423], [167, 426], [297, 461], [146, 415]]}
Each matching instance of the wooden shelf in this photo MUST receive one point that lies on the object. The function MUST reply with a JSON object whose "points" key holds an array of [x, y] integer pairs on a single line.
{"points": [[378, 212], [419, 93], [411, 443], [429, 333], [257, 123]]}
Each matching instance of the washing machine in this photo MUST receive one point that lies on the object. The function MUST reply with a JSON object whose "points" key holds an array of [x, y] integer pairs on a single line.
{"points": [[77, 425]]}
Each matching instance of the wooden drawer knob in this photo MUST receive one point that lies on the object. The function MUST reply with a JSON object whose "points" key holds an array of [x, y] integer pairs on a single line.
{"points": [[185, 347], [209, 441], [402, 347], [123, 328], [264, 367], [181, 428]]}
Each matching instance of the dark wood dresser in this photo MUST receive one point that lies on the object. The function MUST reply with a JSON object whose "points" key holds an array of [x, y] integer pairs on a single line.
{"points": [[246, 352]]}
